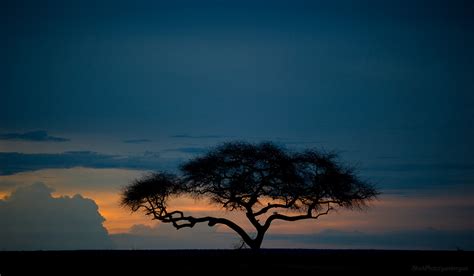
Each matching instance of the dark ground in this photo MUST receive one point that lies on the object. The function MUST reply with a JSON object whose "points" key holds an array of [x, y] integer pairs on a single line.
{"points": [[221, 262]]}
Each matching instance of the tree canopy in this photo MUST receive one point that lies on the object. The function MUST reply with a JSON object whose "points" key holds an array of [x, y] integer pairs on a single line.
{"points": [[254, 178]]}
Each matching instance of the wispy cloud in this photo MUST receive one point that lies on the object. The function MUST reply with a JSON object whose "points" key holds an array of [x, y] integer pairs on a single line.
{"points": [[190, 150], [137, 141], [164, 236], [387, 157], [34, 136], [430, 167], [14, 162], [187, 136], [431, 239]]}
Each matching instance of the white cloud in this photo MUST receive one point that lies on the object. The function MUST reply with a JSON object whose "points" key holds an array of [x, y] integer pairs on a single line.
{"points": [[34, 220]]}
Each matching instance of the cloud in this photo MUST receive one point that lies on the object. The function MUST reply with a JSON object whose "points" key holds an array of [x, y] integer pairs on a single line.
{"points": [[421, 175], [190, 150], [387, 157], [165, 236], [6, 184], [426, 239], [187, 136], [303, 143], [14, 162], [34, 136], [101, 185], [420, 167], [137, 141], [34, 220]]}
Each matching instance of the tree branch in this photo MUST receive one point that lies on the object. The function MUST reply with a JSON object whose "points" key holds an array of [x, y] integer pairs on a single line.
{"points": [[252, 218], [308, 215], [182, 221], [275, 205]]}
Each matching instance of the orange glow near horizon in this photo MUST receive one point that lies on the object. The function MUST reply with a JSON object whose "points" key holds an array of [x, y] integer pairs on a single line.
{"points": [[389, 213], [3, 195]]}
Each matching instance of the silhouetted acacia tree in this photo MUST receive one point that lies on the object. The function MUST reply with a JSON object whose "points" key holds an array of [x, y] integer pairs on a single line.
{"points": [[258, 179]]}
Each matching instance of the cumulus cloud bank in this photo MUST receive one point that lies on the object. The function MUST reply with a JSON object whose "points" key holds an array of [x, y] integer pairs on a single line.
{"points": [[34, 220]]}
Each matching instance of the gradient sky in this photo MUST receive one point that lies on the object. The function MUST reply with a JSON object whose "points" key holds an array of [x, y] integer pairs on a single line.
{"points": [[95, 93]]}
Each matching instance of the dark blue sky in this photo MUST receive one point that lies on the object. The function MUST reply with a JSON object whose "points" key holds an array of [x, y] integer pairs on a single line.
{"points": [[391, 79]]}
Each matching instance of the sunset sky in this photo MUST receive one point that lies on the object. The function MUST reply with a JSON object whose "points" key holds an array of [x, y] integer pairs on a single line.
{"points": [[94, 94]]}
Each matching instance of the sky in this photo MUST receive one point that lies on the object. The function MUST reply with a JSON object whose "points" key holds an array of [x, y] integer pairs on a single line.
{"points": [[94, 94]]}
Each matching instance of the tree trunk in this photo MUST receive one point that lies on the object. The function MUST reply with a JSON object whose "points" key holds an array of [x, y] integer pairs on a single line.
{"points": [[257, 242]]}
